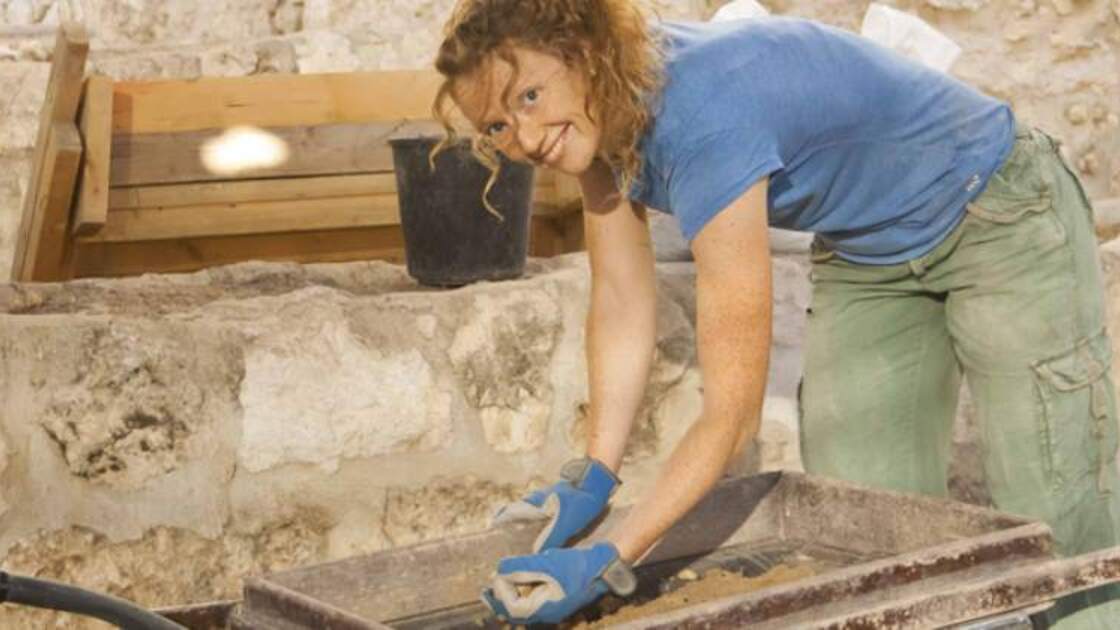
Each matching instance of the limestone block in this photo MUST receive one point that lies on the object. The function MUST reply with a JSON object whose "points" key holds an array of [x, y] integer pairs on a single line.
{"points": [[13, 177], [286, 16], [276, 56], [134, 23], [446, 507], [375, 401], [358, 532], [24, 85], [150, 64], [324, 51], [127, 404], [3, 474], [236, 61], [164, 567], [957, 5], [29, 12], [500, 354]]}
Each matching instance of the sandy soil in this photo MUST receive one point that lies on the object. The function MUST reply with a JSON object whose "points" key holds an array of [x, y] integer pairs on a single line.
{"points": [[711, 585]]}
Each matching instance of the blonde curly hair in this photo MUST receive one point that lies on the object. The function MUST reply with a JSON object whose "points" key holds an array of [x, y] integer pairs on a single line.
{"points": [[608, 40]]}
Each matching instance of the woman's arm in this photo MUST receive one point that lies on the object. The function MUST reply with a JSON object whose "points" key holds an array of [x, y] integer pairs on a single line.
{"points": [[621, 321], [733, 294]]}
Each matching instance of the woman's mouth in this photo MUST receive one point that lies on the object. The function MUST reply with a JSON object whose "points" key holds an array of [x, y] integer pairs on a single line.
{"points": [[552, 156]]}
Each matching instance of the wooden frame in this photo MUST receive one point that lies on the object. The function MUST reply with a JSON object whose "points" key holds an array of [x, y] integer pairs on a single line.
{"points": [[118, 187]]}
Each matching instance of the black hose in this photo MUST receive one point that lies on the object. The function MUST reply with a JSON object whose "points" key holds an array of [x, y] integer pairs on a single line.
{"points": [[56, 596]]}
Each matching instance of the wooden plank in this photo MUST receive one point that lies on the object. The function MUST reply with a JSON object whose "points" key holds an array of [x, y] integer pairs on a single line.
{"points": [[59, 105], [192, 254], [323, 187], [273, 100], [329, 149], [257, 217], [48, 237], [299, 215], [294, 188], [96, 127]]}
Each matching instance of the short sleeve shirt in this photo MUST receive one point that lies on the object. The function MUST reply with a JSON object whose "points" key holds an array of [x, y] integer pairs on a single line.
{"points": [[876, 154]]}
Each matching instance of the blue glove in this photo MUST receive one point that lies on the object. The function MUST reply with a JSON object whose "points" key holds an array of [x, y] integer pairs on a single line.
{"points": [[570, 505], [563, 581]]}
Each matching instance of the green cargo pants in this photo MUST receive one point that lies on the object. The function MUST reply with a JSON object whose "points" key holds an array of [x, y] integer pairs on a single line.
{"points": [[1012, 299]]}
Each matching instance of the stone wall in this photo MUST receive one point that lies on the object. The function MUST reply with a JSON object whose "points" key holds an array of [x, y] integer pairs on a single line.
{"points": [[163, 437], [168, 435]]}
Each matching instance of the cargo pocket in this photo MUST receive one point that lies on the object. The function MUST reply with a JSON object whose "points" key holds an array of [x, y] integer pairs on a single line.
{"points": [[1077, 421], [1019, 194]]}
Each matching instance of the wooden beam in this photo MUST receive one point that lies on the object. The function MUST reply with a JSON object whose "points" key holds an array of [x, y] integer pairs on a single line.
{"points": [[192, 254], [255, 217], [96, 126], [48, 237], [249, 190], [288, 189], [59, 106], [273, 100], [259, 217]]}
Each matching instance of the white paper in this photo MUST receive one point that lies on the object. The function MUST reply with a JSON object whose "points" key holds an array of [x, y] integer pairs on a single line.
{"points": [[739, 9], [909, 35]]}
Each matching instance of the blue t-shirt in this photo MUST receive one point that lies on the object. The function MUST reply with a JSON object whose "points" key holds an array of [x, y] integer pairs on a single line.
{"points": [[875, 153]]}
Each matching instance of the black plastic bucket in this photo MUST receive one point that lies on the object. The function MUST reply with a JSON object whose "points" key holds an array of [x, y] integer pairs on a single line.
{"points": [[450, 239]]}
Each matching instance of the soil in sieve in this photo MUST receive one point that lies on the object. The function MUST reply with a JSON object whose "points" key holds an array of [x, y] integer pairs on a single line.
{"points": [[690, 589]]}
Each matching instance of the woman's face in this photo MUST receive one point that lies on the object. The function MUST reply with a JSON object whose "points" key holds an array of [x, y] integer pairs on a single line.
{"points": [[543, 119]]}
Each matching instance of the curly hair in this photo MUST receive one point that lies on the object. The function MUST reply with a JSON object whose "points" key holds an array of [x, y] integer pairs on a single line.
{"points": [[608, 40]]}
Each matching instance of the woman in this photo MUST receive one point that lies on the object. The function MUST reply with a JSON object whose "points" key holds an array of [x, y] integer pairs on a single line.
{"points": [[949, 240]]}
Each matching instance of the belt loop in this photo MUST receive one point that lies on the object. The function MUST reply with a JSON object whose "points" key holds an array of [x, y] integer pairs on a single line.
{"points": [[819, 252]]}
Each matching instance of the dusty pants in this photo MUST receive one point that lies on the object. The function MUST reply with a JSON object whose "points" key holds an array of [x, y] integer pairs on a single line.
{"points": [[1013, 301]]}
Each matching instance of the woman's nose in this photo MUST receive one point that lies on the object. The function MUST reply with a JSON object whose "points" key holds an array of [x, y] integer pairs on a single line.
{"points": [[530, 136]]}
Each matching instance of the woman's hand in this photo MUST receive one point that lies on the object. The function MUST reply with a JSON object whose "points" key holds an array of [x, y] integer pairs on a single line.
{"points": [[570, 505], [551, 586]]}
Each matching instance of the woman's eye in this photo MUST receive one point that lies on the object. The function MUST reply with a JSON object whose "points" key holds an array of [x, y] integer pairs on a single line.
{"points": [[531, 96], [495, 129]]}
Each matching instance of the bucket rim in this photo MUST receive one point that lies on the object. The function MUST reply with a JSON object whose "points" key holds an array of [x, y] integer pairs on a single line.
{"points": [[426, 139]]}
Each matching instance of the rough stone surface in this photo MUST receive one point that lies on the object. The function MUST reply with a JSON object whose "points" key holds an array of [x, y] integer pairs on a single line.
{"points": [[165, 567], [130, 415], [445, 507], [13, 175], [501, 354], [23, 83], [374, 402], [3, 474]]}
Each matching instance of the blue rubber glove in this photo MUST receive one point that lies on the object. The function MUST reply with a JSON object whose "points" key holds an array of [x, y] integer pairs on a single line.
{"points": [[563, 580], [570, 505]]}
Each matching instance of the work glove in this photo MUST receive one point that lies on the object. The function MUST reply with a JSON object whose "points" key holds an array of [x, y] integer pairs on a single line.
{"points": [[562, 580], [570, 505]]}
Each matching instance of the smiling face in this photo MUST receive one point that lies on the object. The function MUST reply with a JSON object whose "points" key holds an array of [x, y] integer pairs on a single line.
{"points": [[536, 113]]}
